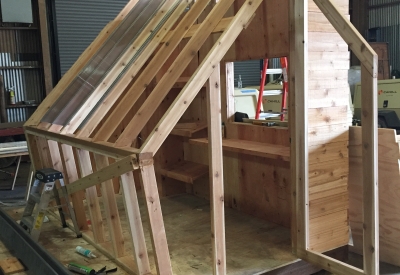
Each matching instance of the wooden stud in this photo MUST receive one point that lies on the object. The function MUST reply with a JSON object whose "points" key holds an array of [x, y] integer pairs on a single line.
{"points": [[34, 153], [230, 91], [113, 170], [135, 223], [158, 236], [292, 125], [121, 64], [145, 112], [300, 122], [181, 103], [147, 75], [111, 210], [65, 163], [71, 169], [96, 219], [216, 172], [369, 116]]}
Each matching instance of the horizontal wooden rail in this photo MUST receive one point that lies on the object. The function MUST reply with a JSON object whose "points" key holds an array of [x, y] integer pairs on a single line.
{"points": [[115, 169], [253, 148], [102, 148]]}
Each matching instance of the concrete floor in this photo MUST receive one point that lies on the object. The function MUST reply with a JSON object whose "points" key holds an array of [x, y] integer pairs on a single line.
{"points": [[17, 195]]}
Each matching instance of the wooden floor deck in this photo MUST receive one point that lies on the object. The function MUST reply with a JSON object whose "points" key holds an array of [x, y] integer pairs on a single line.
{"points": [[253, 245]]}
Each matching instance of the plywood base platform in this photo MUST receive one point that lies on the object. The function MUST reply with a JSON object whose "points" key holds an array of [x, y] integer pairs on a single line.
{"points": [[254, 246]]}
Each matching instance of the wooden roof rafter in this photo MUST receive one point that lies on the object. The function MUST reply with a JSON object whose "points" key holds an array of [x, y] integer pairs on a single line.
{"points": [[110, 110]]}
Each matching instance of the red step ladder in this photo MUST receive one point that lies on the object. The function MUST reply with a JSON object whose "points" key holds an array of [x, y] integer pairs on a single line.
{"points": [[285, 88]]}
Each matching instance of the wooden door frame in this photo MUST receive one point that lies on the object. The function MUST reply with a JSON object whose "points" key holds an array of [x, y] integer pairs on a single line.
{"points": [[299, 135]]}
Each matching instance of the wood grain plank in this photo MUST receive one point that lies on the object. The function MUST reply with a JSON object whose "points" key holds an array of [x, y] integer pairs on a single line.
{"points": [[216, 170], [251, 148], [96, 218], [111, 210], [159, 238]]}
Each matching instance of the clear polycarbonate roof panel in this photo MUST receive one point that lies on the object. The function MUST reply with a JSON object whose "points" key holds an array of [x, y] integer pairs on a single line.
{"points": [[92, 75]]}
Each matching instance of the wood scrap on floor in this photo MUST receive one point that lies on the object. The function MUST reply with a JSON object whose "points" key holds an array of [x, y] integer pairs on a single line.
{"points": [[11, 266]]}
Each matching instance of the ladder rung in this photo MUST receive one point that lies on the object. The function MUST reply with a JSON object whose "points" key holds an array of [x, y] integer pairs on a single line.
{"points": [[28, 221]]}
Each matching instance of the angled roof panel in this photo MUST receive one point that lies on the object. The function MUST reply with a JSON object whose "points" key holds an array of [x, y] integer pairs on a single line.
{"points": [[102, 94], [92, 75]]}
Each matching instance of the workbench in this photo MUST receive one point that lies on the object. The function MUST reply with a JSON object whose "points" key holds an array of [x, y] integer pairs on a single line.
{"points": [[14, 149]]}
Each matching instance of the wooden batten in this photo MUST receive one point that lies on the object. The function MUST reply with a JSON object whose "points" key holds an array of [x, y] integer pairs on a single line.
{"points": [[216, 172], [91, 198], [111, 211], [159, 240]]}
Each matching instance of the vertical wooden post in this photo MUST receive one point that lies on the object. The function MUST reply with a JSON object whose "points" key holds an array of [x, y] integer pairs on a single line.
{"points": [[135, 223], [34, 153], [216, 172], [299, 133], [3, 111], [111, 209], [369, 117], [115, 181], [157, 229], [292, 124], [58, 163], [44, 35], [68, 161], [91, 198], [230, 91]]}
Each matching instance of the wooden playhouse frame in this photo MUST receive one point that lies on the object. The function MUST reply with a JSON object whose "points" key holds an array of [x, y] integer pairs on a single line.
{"points": [[86, 138]]}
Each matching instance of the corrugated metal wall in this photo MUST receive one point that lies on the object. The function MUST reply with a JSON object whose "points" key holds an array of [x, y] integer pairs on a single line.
{"points": [[250, 71], [386, 15], [21, 65], [78, 24]]}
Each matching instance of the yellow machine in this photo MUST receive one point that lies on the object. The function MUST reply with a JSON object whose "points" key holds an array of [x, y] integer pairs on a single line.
{"points": [[388, 103], [246, 100]]}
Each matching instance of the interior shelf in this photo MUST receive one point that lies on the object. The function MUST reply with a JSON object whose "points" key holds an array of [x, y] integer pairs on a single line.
{"points": [[188, 129], [185, 171], [272, 151]]}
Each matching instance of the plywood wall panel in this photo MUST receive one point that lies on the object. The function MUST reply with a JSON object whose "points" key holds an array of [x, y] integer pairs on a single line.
{"points": [[389, 193], [329, 120], [254, 185], [326, 42], [268, 33]]}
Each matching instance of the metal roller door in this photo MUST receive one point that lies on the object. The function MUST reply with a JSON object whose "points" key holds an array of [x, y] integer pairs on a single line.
{"points": [[78, 23]]}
